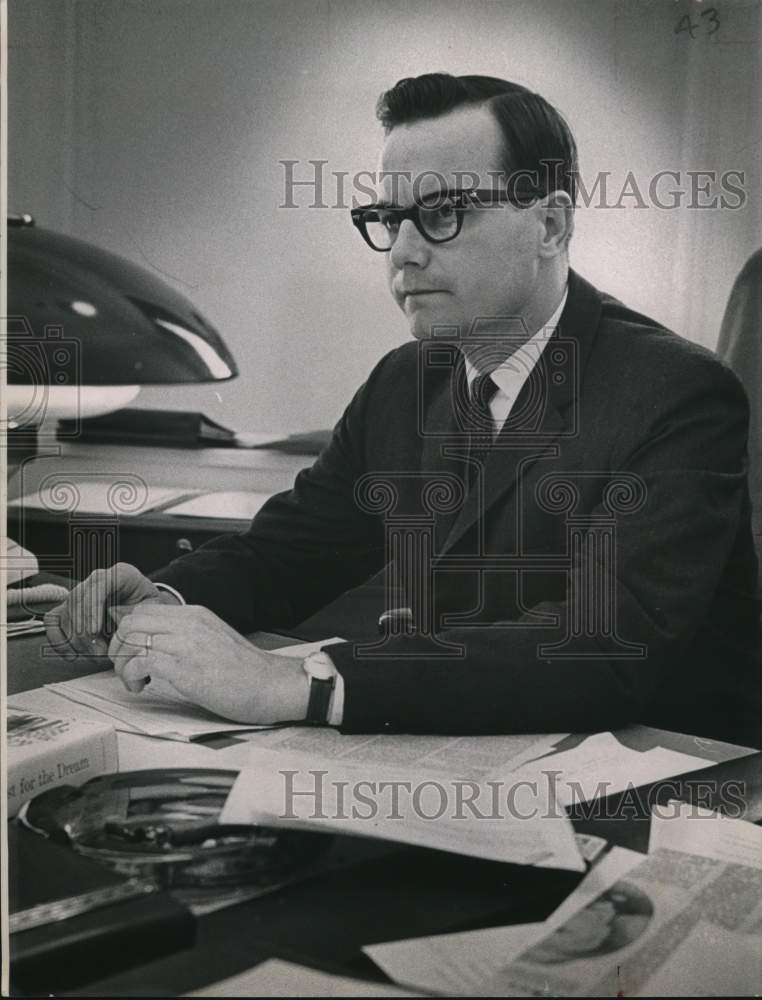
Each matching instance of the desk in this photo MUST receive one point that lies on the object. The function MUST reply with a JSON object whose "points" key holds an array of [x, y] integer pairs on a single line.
{"points": [[408, 892], [147, 540]]}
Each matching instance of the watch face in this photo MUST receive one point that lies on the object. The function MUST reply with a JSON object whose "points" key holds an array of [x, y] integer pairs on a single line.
{"points": [[319, 666]]}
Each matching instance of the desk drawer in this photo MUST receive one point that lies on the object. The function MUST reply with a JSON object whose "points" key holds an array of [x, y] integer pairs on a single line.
{"points": [[76, 545]]}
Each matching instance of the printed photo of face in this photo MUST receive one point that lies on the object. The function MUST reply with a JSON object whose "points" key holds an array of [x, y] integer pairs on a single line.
{"points": [[612, 921]]}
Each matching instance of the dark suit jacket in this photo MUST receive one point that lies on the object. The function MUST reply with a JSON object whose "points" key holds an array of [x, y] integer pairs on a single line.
{"points": [[740, 346], [604, 573]]}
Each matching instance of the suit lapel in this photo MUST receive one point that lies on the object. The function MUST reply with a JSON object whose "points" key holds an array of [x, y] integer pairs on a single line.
{"points": [[546, 409]]}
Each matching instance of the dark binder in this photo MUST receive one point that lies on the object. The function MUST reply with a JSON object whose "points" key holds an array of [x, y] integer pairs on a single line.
{"points": [[52, 957], [158, 428], [300, 443]]}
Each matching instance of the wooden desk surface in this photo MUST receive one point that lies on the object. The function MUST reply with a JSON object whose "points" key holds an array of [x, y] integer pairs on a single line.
{"points": [[74, 543], [195, 468]]}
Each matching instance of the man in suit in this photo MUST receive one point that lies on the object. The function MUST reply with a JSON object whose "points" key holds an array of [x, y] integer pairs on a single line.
{"points": [[558, 483]]}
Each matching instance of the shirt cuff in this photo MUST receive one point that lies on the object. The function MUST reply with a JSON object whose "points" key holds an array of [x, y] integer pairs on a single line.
{"points": [[170, 590]]}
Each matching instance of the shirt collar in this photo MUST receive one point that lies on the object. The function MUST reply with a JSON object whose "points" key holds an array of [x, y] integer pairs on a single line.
{"points": [[505, 375]]}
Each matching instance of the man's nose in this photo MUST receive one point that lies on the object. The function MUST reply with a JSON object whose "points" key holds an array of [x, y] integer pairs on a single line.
{"points": [[409, 247]]}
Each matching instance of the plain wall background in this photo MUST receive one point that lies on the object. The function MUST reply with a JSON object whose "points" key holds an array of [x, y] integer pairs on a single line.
{"points": [[155, 129]]}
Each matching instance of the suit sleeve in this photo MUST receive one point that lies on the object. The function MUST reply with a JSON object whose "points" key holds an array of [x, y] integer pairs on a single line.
{"points": [[690, 456], [302, 549]]}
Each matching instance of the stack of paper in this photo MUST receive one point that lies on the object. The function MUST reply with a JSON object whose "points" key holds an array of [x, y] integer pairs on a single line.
{"points": [[495, 797], [157, 711]]}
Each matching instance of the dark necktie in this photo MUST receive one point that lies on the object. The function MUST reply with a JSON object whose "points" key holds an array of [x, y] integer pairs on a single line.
{"points": [[481, 425]]}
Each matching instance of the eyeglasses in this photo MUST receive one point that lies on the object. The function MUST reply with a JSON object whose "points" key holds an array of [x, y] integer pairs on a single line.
{"points": [[438, 219]]}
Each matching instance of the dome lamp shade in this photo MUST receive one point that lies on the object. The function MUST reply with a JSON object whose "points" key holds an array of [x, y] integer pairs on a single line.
{"points": [[82, 316]]}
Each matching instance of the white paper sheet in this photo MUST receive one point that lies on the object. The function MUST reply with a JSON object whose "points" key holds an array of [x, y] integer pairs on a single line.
{"points": [[601, 766], [224, 503], [467, 962], [284, 979], [47, 701], [255, 439], [412, 804], [679, 826], [144, 753], [304, 648], [95, 496], [156, 711]]}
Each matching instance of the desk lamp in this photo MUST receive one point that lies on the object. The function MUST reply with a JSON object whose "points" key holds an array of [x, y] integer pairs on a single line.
{"points": [[86, 328]]}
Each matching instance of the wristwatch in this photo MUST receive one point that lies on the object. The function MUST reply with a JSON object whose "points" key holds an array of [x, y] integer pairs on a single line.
{"points": [[322, 673]]}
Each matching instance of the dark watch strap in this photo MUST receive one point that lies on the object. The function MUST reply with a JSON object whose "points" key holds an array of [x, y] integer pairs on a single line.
{"points": [[320, 699]]}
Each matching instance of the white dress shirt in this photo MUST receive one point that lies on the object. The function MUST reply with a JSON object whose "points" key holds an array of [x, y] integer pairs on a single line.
{"points": [[511, 375]]}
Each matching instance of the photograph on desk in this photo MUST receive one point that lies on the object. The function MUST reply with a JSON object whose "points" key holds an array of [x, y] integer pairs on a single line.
{"points": [[382, 429]]}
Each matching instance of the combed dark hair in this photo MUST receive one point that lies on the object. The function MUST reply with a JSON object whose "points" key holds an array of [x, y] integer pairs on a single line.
{"points": [[538, 142]]}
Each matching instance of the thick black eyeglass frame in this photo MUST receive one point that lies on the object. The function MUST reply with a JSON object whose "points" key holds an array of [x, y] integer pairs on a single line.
{"points": [[461, 199]]}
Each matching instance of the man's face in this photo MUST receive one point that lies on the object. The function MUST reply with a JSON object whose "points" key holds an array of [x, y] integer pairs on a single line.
{"points": [[492, 268]]}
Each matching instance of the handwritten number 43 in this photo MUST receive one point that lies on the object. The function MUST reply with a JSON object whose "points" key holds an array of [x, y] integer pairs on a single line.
{"points": [[709, 20]]}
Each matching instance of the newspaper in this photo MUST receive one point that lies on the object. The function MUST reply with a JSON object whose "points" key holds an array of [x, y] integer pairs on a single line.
{"points": [[472, 756], [634, 938], [443, 808], [681, 826]]}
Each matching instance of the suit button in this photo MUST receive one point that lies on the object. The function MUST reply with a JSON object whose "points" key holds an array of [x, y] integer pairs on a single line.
{"points": [[184, 545]]}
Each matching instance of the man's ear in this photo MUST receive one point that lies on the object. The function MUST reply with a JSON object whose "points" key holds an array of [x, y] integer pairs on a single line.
{"points": [[556, 214]]}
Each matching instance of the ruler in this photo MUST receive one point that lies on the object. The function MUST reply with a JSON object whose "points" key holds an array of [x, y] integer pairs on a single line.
{"points": [[73, 906]]}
